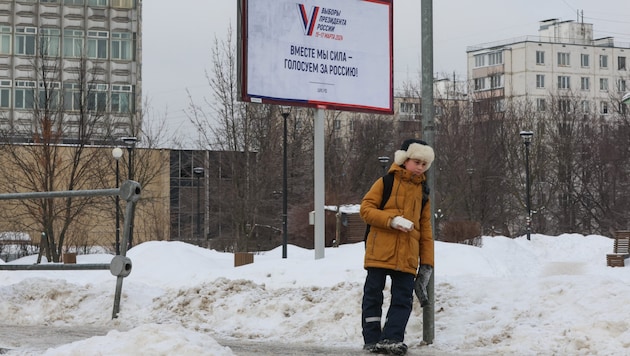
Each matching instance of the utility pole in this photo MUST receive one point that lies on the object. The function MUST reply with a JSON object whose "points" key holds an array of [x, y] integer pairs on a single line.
{"points": [[428, 135]]}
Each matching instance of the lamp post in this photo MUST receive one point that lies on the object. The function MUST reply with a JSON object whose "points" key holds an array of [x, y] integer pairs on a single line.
{"points": [[470, 172], [198, 172], [285, 114], [117, 153], [527, 139], [131, 144], [384, 161]]}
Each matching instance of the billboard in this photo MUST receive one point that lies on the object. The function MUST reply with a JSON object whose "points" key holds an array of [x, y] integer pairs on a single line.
{"points": [[334, 54]]}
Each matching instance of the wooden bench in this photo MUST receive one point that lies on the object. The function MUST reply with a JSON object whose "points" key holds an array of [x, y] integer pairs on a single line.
{"points": [[621, 250]]}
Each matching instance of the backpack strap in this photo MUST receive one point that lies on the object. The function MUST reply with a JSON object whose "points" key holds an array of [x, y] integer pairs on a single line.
{"points": [[425, 194], [388, 184]]}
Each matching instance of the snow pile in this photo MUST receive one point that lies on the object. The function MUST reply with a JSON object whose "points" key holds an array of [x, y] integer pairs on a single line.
{"points": [[550, 295]]}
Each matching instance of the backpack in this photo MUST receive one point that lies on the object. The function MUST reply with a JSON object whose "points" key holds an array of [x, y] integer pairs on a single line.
{"points": [[388, 183]]}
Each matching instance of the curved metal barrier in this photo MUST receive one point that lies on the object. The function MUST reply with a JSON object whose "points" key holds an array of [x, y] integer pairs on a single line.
{"points": [[120, 266]]}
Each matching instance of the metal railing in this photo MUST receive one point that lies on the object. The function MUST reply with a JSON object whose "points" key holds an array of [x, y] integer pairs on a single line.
{"points": [[120, 266]]}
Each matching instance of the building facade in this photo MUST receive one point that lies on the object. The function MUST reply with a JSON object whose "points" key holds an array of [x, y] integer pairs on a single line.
{"points": [[563, 60], [70, 62]]}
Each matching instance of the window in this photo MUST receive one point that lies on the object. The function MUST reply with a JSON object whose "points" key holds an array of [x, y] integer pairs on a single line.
{"points": [[5, 93], [584, 60], [480, 83], [122, 46], [586, 106], [585, 83], [101, 3], [437, 111], [49, 96], [97, 97], [49, 42], [564, 105], [541, 104], [125, 4], [336, 124], [122, 98], [495, 58], [73, 43], [480, 60], [564, 59], [24, 94], [603, 106], [71, 96], [621, 85], [496, 81], [97, 44], [73, 2], [540, 80], [499, 105], [5, 40], [409, 108], [564, 82], [621, 63], [25, 40], [603, 61], [603, 84], [540, 57], [491, 59]]}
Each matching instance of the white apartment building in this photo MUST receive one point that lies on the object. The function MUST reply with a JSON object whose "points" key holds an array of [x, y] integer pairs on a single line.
{"points": [[68, 60], [563, 60]]}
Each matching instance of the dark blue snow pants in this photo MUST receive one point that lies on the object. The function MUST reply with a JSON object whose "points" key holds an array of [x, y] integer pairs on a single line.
{"points": [[399, 309]]}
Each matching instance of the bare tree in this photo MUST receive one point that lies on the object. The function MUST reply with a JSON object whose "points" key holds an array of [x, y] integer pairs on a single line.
{"points": [[58, 115], [248, 135]]}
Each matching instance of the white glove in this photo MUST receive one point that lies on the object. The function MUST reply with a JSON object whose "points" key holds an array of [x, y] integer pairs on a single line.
{"points": [[401, 223]]}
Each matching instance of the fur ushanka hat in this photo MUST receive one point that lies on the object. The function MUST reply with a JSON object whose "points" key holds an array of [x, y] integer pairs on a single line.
{"points": [[414, 149]]}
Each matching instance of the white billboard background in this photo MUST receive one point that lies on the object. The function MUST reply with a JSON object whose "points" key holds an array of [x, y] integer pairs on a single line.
{"points": [[345, 60]]}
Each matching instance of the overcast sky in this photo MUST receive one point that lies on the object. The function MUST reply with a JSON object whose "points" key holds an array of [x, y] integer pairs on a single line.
{"points": [[178, 37]]}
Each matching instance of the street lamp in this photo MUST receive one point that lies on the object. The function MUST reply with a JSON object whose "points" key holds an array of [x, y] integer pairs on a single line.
{"points": [[131, 144], [384, 161], [198, 172], [527, 139], [117, 153], [285, 114], [470, 172]]}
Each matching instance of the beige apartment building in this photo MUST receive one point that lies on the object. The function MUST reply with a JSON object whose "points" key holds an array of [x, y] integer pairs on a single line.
{"points": [[563, 60]]}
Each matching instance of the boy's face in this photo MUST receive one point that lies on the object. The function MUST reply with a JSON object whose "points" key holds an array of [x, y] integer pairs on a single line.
{"points": [[416, 166]]}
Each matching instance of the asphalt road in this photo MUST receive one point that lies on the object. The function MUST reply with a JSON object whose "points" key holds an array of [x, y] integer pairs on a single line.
{"points": [[14, 339], [251, 348]]}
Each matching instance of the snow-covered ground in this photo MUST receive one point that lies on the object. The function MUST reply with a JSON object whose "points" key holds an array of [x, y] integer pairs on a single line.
{"points": [[553, 295]]}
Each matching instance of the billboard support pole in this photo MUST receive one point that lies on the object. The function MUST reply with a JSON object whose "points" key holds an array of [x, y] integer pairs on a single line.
{"points": [[318, 180]]}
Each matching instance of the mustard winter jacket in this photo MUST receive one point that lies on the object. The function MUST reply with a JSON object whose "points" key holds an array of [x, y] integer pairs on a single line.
{"points": [[391, 248]]}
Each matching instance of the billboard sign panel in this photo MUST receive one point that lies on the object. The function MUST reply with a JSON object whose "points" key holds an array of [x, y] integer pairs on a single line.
{"points": [[335, 54]]}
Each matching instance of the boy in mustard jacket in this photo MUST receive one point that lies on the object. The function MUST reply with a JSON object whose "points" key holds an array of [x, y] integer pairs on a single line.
{"points": [[399, 245]]}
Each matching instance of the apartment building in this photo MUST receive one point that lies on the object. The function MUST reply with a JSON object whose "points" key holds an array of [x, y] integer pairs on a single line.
{"points": [[70, 62], [563, 60]]}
